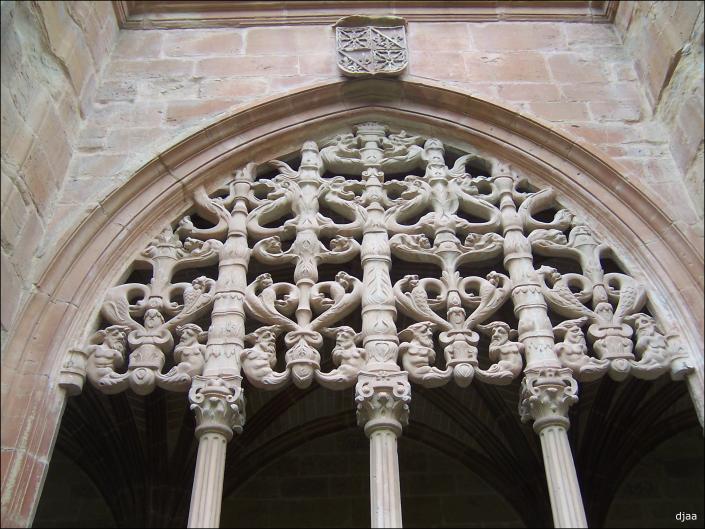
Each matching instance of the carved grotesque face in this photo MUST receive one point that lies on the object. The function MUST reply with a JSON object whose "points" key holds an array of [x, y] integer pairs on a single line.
{"points": [[423, 242], [427, 334], [265, 280], [493, 278], [267, 339], [152, 319], [645, 325], [344, 279]]}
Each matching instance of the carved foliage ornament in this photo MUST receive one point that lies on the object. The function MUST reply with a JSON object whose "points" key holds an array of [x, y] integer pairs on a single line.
{"points": [[367, 46]]}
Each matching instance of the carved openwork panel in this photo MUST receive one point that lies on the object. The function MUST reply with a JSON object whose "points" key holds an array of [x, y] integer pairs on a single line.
{"points": [[363, 202]]}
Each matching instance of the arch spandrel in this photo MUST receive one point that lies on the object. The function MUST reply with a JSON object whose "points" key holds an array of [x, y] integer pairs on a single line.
{"points": [[94, 255]]}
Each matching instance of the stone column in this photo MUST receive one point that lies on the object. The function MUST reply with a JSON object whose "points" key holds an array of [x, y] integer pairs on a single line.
{"points": [[216, 397], [219, 409], [383, 409], [383, 391], [548, 389]]}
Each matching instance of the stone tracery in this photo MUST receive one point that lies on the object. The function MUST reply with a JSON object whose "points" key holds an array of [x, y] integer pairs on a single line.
{"points": [[605, 307]]}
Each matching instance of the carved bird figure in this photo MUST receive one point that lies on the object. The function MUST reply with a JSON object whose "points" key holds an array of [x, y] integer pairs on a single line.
{"points": [[560, 297]]}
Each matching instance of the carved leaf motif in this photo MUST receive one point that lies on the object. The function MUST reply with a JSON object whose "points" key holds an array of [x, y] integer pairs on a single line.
{"points": [[116, 308], [378, 288]]}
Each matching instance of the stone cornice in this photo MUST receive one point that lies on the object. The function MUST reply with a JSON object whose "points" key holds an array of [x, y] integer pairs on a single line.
{"points": [[137, 14]]}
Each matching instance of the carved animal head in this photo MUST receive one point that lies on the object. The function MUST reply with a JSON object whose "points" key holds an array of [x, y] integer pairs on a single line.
{"points": [[551, 273], [493, 277], [340, 243], [263, 281], [200, 283], [411, 280], [344, 279], [192, 244]]}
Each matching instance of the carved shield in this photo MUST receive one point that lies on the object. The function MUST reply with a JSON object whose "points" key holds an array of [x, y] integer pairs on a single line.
{"points": [[371, 50]]}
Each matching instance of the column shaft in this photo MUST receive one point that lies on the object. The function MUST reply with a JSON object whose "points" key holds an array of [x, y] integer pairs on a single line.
{"points": [[207, 491], [385, 494], [566, 501]]}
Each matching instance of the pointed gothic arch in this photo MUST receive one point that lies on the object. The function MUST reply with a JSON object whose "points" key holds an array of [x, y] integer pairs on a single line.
{"points": [[63, 310]]}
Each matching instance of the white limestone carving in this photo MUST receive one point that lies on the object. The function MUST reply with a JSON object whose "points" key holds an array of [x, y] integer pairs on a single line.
{"points": [[573, 351], [105, 356], [73, 372], [189, 355], [307, 307], [417, 356], [258, 362], [349, 358], [446, 192], [506, 354], [616, 300]]}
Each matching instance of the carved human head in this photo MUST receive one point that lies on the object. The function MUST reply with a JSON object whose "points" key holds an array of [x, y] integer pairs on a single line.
{"points": [[114, 337], [153, 319], [189, 333]]}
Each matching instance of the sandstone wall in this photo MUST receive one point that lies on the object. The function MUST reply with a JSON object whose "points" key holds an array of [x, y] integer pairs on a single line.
{"points": [[53, 54], [117, 112], [74, 113], [666, 41]]}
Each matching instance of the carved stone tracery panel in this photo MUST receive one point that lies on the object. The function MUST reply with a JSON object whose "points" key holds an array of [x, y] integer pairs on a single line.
{"points": [[573, 325]]}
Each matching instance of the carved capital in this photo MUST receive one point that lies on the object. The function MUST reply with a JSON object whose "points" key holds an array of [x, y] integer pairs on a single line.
{"points": [[546, 395], [383, 400], [218, 404]]}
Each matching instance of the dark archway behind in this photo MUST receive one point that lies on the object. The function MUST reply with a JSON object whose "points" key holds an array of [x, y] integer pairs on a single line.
{"points": [[465, 460]]}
